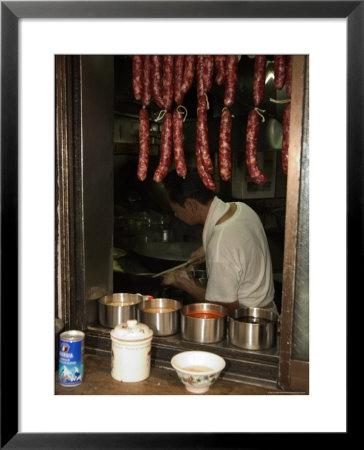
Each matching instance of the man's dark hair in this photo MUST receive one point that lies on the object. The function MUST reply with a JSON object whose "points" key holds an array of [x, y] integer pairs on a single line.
{"points": [[179, 189]]}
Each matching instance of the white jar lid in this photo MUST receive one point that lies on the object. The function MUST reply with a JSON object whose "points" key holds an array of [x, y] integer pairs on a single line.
{"points": [[131, 331]]}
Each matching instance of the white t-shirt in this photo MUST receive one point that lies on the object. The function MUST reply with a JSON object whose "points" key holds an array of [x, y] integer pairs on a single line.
{"points": [[238, 260]]}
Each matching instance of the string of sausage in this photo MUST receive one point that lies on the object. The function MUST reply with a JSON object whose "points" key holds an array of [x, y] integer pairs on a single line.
{"points": [[156, 80], [227, 70], [144, 144], [200, 137], [166, 149], [286, 115], [138, 62], [220, 66], [166, 138], [177, 118], [279, 71], [177, 127], [141, 67], [204, 71], [178, 78], [252, 131], [167, 95], [183, 79]]}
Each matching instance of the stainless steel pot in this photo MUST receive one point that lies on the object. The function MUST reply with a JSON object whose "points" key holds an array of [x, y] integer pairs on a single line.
{"points": [[253, 328], [115, 309], [203, 330], [162, 315]]}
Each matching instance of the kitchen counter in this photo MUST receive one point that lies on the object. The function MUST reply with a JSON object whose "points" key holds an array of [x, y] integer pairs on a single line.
{"points": [[98, 381]]}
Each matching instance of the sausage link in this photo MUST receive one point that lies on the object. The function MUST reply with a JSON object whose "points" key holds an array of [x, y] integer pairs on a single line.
{"points": [[179, 158], [203, 134], [138, 62], [224, 145], [178, 78], [251, 148], [279, 71], [231, 78], [199, 75], [188, 73], [204, 175], [289, 60], [285, 140], [147, 88], [156, 80], [144, 144], [259, 79], [220, 66], [208, 71], [168, 81], [166, 149]]}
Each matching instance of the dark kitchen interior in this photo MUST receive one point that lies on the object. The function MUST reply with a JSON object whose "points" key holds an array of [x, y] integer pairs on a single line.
{"points": [[124, 231], [142, 217]]}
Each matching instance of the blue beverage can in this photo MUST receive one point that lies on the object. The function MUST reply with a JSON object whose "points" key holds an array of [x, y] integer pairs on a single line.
{"points": [[71, 349]]}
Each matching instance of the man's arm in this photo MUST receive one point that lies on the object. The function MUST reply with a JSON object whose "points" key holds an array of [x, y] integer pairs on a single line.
{"points": [[189, 286]]}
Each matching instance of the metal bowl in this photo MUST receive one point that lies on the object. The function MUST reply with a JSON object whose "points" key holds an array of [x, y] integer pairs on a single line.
{"points": [[115, 309], [161, 315], [203, 329], [253, 328]]}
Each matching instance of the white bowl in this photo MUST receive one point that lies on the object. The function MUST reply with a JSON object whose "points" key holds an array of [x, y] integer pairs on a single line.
{"points": [[198, 370]]}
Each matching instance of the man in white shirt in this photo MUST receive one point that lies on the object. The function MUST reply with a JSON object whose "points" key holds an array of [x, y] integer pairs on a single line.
{"points": [[235, 247]]}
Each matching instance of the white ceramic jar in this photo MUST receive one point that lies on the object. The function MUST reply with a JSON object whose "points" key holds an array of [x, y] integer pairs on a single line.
{"points": [[131, 350]]}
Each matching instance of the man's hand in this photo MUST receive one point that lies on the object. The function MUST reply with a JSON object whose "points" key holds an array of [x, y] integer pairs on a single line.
{"points": [[190, 286], [182, 280], [198, 256]]}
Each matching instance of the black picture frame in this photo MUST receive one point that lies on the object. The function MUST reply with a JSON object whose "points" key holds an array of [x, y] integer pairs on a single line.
{"points": [[11, 12]]}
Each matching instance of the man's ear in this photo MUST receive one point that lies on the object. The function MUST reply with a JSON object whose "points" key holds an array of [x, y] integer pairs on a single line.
{"points": [[191, 204]]}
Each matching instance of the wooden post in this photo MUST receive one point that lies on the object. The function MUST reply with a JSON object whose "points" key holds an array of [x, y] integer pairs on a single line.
{"points": [[291, 224]]}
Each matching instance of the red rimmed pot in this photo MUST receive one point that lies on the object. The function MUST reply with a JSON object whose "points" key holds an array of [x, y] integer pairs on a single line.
{"points": [[203, 322]]}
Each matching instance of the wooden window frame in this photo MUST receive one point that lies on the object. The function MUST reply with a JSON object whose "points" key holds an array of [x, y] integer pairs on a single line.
{"points": [[69, 263]]}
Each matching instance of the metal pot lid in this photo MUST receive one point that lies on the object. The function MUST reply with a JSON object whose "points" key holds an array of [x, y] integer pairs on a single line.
{"points": [[131, 331]]}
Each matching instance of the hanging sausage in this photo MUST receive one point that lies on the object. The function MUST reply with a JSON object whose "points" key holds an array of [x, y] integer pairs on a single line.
{"points": [[224, 145], [147, 87], [144, 144], [227, 67], [252, 130], [166, 149], [137, 64], [279, 71], [231, 78], [188, 73], [179, 158], [251, 148], [178, 78], [157, 80], [141, 68], [259, 79], [289, 60], [167, 95], [203, 134], [208, 71], [204, 174], [220, 67], [202, 126]]}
